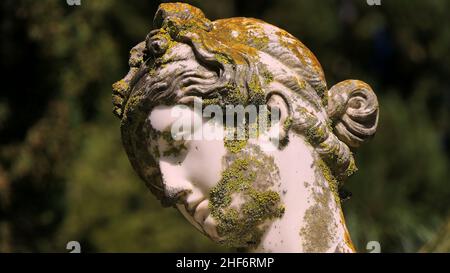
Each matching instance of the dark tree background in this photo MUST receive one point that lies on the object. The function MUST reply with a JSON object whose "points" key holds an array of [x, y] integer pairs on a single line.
{"points": [[64, 175]]}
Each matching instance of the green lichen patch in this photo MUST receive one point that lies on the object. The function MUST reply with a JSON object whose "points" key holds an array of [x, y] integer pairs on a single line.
{"points": [[174, 150], [261, 41], [234, 96], [136, 58], [256, 93], [250, 175], [351, 169], [325, 171], [211, 101], [120, 87], [222, 58], [317, 231], [175, 147], [165, 42], [287, 124], [117, 100], [235, 145], [316, 134], [267, 76]]}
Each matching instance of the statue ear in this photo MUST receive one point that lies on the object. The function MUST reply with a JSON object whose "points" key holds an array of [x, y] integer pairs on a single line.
{"points": [[278, 102], [353, 108]]}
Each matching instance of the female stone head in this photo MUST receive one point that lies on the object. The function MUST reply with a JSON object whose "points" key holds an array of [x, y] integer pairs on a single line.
{"points": [[237, 191]]}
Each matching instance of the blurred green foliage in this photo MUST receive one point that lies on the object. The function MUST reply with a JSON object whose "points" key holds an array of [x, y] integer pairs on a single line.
{"points": [[64, 174]]}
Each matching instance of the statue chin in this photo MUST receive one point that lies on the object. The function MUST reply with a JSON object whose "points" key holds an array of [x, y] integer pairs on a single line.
{"points": [[276, 188], [202, 220]]}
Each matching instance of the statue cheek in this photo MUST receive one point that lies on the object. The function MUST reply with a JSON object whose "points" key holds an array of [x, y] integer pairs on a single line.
{"points": [[203, 164]]}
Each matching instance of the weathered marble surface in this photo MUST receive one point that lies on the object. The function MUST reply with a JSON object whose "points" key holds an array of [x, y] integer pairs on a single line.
{"points": [[239, 192]]}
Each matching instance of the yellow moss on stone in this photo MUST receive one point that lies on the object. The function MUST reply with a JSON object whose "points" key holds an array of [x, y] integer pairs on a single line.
{"points": [[287, 124], [234, 96], [120, 86], [267, 76], [212, 101], [221, 58], [241, 227], [316, 134], [175, 147], [257, 95], [234, 146], [327, 174], [351, 169]]}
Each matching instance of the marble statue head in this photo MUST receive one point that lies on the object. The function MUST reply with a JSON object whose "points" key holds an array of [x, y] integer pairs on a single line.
{"points": [[242, 192]]}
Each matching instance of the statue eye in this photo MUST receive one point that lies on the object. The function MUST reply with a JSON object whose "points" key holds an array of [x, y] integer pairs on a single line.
{"points": [[157, 45]]}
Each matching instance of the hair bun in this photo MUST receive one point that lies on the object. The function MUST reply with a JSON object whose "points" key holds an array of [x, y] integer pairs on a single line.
{"points": [[353, 108]]}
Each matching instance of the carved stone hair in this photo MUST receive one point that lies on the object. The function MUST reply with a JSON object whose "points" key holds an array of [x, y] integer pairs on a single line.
{"points": [[239, 51]]}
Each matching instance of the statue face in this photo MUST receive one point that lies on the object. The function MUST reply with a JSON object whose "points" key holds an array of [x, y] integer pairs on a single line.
{"points": [[189, 168], [229, 191], [229, 196]]}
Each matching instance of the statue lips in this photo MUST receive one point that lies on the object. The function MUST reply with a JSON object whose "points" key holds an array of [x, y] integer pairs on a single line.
{"points": [[201, 215], [195, 210], [201, 211]]}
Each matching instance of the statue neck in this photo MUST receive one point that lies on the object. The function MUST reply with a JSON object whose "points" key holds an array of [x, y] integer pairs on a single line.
{"points": [[313, 220]]}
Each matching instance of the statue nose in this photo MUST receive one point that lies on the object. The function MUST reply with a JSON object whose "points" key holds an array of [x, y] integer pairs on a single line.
{"points": [[173, 196]]}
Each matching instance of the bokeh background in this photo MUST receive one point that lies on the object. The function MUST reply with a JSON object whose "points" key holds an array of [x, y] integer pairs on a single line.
{"points": [[64, 175]]}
